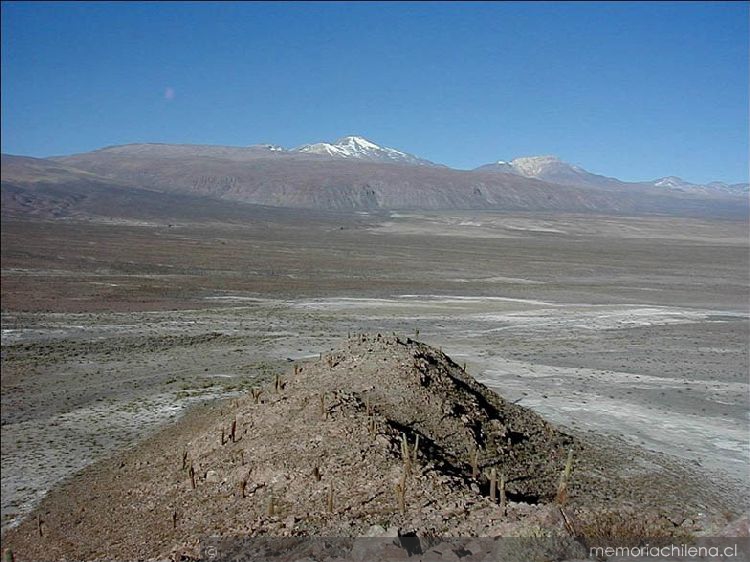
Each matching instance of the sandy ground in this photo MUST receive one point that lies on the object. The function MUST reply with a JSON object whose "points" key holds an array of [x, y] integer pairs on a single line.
{"points": [[635, 328]]}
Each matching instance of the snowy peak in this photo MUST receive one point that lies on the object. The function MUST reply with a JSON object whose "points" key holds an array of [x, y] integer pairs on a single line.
{"points": [[671, 182], [679, 184], [357, 144], [546, 168], [532, 166], [553, 170], [359, 148], [538, 166], [270, 147]]}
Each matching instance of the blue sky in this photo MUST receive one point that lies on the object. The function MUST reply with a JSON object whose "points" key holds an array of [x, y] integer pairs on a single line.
{"points": [[633, 90]]}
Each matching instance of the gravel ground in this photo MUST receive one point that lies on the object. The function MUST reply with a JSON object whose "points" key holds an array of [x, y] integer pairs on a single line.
{"points": [[632, 328]]}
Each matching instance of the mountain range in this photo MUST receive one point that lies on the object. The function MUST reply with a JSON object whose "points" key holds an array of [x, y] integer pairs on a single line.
{"points": [[349, 174], [553, 170]]}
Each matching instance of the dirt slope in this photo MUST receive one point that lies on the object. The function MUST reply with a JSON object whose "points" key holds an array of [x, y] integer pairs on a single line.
{"points": [[323, 455]]}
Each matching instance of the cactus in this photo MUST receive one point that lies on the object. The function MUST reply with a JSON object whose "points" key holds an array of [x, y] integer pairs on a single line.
{"points": [[276, 384], [316, 474], [174, 519], [323, 411], [562, 489], [256, 395], [233, 430], [400, 490], [39, 524], [271, 511], [502, 493], [416, 447], [329, 499], [475, 464], [493, 485], [405, 454], [191, 473], [184, 460]]}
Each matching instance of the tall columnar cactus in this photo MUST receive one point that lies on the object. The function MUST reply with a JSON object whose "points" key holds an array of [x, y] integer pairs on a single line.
{"points": [[400, 489], [191, 473], [562, 488], [502, 493], [405, 454], [323, 410]]}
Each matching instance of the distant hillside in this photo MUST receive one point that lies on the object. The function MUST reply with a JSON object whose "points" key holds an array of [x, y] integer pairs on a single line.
{"points": [[164, 180], [553, 170], [268, 176], [44, 189]]}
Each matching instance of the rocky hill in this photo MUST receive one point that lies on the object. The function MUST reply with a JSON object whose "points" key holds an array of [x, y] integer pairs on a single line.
{"points": [[384, 437]]}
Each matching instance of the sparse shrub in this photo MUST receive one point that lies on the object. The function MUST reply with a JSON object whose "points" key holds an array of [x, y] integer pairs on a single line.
{"points": [[626, 527]]}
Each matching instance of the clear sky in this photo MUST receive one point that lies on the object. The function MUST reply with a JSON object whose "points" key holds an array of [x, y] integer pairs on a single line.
{"points": [[632, 90]]}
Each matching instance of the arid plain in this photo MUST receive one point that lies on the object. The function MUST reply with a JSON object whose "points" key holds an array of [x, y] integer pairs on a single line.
{"points": [[636, 328]]}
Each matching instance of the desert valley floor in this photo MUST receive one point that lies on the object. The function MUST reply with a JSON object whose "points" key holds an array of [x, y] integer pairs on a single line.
{"points": [[636, 328]]}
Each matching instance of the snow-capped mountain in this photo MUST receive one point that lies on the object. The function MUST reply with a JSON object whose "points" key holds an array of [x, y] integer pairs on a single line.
{"points": [[362, 149], [271, 147], [679, 184], [553, 170]]}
